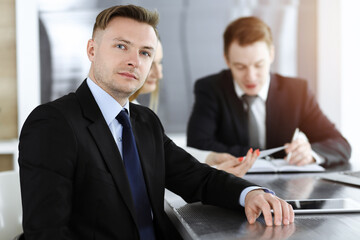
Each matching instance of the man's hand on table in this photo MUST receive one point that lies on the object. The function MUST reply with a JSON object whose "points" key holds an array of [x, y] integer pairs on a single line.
{"points": [[257, 202]]}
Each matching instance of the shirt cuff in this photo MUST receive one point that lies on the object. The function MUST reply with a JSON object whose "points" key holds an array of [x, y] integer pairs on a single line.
{"points": [[249, 189], [318, 159]]}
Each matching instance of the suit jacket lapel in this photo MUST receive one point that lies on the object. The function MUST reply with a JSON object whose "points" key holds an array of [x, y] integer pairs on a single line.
{"points": [[106, 144], [236, 107], [146, 148], [273, 112]]}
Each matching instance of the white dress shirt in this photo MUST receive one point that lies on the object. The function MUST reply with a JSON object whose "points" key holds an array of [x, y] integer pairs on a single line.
{"points": [[109, 108]]}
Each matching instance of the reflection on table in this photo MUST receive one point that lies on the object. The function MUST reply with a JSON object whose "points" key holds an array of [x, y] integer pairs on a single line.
{"points": [[198, 221]]}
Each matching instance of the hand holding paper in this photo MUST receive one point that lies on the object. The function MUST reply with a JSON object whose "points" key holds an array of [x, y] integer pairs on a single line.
{"points": [[239, 166]]}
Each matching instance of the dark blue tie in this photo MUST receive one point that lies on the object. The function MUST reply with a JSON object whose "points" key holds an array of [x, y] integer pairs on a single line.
{"points": [[136, 178]]}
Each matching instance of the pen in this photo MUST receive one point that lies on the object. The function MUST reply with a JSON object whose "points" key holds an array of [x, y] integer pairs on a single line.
{"points": [[295, 136]]}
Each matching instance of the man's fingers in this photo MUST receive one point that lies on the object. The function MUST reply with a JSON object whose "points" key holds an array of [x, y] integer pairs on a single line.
{"points": [[283, 212], [291, 214], [288, 213], [252, 214], [263, 203], [296, 157], [291, 147], [266, 211], [301, 154], [301, 159], [294, 146], [277, 210]]}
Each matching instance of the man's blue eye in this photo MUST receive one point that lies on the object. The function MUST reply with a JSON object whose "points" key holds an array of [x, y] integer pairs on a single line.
{"points": [[145, 53], [120, 46]]}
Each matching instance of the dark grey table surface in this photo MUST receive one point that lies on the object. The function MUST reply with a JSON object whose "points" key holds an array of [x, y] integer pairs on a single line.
{"points": [[198, 221]]}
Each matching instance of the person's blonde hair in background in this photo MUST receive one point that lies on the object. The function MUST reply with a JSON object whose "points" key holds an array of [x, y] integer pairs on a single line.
{"points": [[223, 161], [151, 84]]}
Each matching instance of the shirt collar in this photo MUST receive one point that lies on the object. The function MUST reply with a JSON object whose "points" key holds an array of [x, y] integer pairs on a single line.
{"points": [[263, 91], [109, 107]]}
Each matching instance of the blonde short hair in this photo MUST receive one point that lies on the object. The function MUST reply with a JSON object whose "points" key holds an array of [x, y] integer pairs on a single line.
{"points": [[136, 13]]}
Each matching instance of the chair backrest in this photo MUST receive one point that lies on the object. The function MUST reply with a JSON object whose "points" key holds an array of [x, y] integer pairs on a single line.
{"points": [[10, 205]]}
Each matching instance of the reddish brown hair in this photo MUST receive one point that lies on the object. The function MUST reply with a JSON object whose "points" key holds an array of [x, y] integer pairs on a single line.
{"points": [[246, 31]]}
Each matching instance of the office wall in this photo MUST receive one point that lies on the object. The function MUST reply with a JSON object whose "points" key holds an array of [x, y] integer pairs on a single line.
{"points": [[318, 62], [350, 81], [337, 61], [8, 102], [191, 32]]}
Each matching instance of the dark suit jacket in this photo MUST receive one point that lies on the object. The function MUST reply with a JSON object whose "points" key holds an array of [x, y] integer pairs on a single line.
{"points": [[218, 121], [73, 181]]}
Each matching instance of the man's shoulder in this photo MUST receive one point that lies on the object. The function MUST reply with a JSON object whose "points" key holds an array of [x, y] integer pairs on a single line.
{"points": [[139, 109], [281, 82], [285, 80], [144, 116], [215, 76], [214, 80], [68, 105], [65, 103], [62, 110], [142, 112], [65, 106]]}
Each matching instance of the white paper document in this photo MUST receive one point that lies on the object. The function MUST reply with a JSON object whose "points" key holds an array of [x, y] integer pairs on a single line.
{"points": [[268, 152]]}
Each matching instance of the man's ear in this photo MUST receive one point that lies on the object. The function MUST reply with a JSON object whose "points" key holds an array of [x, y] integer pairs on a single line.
{"points": [[91, 49]]}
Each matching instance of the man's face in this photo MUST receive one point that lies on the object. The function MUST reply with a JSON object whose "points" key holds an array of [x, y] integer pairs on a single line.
{"points": [[250, 65], [121, 56]]}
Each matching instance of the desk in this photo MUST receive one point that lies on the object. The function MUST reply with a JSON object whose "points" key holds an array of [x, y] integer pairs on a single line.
{"points": [[197, 221]]}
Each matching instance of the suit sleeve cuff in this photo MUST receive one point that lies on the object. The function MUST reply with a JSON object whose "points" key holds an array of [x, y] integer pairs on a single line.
{"points": [[249, 189]]}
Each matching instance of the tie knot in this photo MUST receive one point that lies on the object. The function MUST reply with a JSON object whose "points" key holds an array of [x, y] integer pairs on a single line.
{"points": [[123, 118], [249, 99]]}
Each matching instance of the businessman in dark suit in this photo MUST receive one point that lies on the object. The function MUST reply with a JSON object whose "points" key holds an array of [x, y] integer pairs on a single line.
{"points": [[81, 169], [223, 120]]}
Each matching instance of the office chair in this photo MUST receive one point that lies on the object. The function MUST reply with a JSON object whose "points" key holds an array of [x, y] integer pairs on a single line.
{"points": [[10, 206]]}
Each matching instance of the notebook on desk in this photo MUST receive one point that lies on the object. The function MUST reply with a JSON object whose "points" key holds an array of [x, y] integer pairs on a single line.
{"points": [[348, 177], [282, 166]]}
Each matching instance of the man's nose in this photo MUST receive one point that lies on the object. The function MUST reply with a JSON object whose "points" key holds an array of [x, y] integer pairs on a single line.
{"points": [[251, 74], [133, 59]]}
